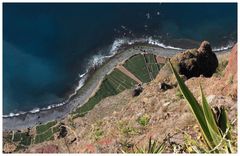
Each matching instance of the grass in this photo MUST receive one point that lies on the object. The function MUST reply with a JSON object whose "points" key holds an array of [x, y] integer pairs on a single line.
{"points": [[42, 128], [26, 139], [96, 131], [17, 136], [22, 138], [143, 120], [47, 135], [215, 131], [153, 147], [179, 94], [126, 129], [152, 65], [136, 65]]}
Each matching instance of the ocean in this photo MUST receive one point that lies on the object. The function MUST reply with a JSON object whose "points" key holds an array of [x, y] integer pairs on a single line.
{"points": [[48, 48]]}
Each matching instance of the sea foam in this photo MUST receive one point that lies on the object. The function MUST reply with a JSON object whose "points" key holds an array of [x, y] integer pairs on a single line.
{"points": [[98, 59]]}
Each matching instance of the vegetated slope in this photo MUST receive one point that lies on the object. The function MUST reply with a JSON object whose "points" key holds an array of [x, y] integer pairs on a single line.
{"points": [[121, 123], [142, 66], [154, 113]]}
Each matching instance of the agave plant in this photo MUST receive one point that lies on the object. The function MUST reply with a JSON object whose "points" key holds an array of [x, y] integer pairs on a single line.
{"points": [[153, 147], [215, 127]]}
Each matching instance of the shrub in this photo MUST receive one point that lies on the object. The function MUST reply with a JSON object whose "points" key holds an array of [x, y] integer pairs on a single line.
{"points": [[153, 147], [143, 120]]}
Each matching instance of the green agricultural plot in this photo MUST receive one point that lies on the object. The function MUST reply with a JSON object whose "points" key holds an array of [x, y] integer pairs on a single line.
{"points": [[24, 139], [48, 135], [152, 65], [113, 84], [136, 65], [144, 67], [42, 128], [44, 132]]}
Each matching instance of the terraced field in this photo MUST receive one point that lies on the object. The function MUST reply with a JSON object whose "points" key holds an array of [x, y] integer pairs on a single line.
{"points": [[142, 66], [43, 133], [137, 66], [113, 84]]}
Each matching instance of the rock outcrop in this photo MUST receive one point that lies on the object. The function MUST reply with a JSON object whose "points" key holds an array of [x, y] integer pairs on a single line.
{"points": [[231, 69], [196, 62], [193, 62], [137, 91], [230, 75]]}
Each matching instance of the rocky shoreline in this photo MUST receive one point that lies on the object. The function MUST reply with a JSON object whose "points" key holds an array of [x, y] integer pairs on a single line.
{"points": [[29, 119]]}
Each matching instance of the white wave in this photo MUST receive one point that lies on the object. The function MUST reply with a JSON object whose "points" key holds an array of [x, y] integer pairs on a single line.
{"points": [[229, 46], [156, 42], [81, 82], [117, 44], [35, 110], [98, 60]]}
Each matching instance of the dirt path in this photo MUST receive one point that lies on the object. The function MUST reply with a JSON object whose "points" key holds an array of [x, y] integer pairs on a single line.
{"points": [[128, 73], [160, 59]]}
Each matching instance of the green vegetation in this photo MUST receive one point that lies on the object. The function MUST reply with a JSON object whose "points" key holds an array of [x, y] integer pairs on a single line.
{"points": [[136, 65], [215, 131], [24, 138], [96, 131], [143, 120], [126, 129], [113, 84], [230, 79], [221, 68], [151, 63], [46, 132], [42, 128], [153, 147], [47, 135], [179, 94], [144, 67]]}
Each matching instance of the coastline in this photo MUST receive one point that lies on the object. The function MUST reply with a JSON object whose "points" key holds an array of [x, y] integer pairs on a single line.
{"points": [[30, 119]]}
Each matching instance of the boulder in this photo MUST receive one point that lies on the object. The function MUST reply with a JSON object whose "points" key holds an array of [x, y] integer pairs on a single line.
{"points": [[164, 86], [136, 91], [196, 62]]}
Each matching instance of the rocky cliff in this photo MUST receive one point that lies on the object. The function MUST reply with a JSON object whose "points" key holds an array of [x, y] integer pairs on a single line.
{"points": [[123, 123]]}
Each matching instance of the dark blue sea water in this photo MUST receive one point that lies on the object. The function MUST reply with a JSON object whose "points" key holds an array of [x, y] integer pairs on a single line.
{"points": [[47, 46]]}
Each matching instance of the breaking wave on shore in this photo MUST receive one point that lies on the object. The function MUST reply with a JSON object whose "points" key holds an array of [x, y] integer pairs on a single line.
{"points": [[97, 60]]}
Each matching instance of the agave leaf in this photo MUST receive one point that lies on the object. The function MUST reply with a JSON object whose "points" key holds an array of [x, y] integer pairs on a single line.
{"points": [[208, 114], [223, 122], [160, 148], [153, 146], [149, 144], [210, 119], [195, 107]]}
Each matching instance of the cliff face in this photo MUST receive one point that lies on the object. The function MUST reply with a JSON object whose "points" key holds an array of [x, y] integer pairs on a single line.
{"points": [[121, 123]]}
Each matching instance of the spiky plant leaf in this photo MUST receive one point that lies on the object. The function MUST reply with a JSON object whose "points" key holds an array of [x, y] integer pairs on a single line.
{"points": [[209, 117], [195, 107], [223, 122]]}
